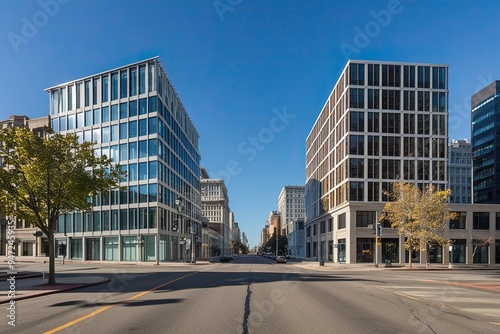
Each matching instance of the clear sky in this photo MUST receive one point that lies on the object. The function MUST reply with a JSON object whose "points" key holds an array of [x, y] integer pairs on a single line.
{"points": [[252, 74]]}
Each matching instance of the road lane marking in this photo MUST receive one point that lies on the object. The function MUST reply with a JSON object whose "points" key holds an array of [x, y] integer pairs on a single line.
{"points": [[405, 295], [104, 308]]}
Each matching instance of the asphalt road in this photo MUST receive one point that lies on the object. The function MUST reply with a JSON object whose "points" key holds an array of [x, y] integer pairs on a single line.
{"points": [[256, 295]]}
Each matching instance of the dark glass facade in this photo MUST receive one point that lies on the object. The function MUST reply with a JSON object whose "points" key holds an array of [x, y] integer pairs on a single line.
{"points": [[485, 141]]}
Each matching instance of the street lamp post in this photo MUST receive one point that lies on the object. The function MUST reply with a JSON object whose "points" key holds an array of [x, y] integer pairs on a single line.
{"points": [[193, 242]]}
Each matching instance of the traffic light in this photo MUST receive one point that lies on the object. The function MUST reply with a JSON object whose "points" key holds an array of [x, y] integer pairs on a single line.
{"points": [[374, 231], [175, 225]]}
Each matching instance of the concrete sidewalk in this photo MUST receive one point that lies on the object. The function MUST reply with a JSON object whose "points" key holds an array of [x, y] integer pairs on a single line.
{"points": [[28, 285]]}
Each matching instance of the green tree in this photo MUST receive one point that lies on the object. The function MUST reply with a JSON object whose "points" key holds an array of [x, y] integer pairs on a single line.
{"points": [[270, 245], [238, 247], [42, 178], [420, 215]]}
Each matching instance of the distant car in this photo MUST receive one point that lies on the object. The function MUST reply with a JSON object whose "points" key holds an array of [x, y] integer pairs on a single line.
{"points": [[226, 258], [280, 259]]}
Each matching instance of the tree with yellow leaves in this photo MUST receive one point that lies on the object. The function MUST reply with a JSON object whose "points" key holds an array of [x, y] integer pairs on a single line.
{"points": [[420, 215]]}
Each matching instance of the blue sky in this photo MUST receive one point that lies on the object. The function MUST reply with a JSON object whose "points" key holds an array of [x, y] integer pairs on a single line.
{"points": [[253, 75]]}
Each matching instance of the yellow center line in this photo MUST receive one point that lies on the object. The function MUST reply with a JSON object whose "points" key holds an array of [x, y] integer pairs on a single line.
{"points": [[405, 295], [104, 308]]}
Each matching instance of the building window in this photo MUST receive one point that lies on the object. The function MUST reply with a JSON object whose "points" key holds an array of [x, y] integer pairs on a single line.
{"points": [[497, 221], [357, 98], [357, 121], [132, 129], [391, 123], [373, 191], [105, 88], [373, 122], [123, 84], [142, 79], [132, 108], [423, 76], [357, 144], [365, 218], [459, 222], [409, 76], [87, 93], [439, 77], [95, 91], [391, 99], [481, 220], [480, 251], [356, 167], [391, 75], [373, 145], [458, 250], [356, 191], [133, 81], [357, 74], [409, 100], [341, 222], [114, 86], [373, 99], [373, 74], [390, 169]]}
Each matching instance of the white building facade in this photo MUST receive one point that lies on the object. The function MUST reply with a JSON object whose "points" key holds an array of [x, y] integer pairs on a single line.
{"points": [[215, 208], [383, 123], [460, 171], [291, 206]]}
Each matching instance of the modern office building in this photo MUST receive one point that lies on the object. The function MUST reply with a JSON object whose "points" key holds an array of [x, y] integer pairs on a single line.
{"points": [[383, 122], [485, 117], [133, 115], [215, 208], [460, 171], [291, 209]]}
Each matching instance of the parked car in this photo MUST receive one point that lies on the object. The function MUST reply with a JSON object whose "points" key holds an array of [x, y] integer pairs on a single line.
{"points": [[280, 259]]}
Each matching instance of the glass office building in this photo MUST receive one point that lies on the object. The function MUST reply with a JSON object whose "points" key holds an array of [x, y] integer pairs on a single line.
{"points": [[485, 118], [133, 115]]}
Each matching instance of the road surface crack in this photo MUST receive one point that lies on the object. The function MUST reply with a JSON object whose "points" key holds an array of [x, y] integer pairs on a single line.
{"points": [[247, 306], [416, 317]]}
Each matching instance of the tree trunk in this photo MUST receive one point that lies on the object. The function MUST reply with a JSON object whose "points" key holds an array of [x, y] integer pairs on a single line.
{"points": [[52, 260]]}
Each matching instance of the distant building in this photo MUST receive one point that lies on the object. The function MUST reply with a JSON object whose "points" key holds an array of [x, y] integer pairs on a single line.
{"points": [[215, 207], [291, 206], [459, 171], [485, 118]]}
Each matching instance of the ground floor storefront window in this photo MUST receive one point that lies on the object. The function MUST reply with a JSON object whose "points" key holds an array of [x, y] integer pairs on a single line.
{"points": [[364, 250], [458, 250], [497, 252], [341, 251], [390, 250], [93, 249], [480, 252], [76, 248], [434, 253], [129, 248], [111, 249]]}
